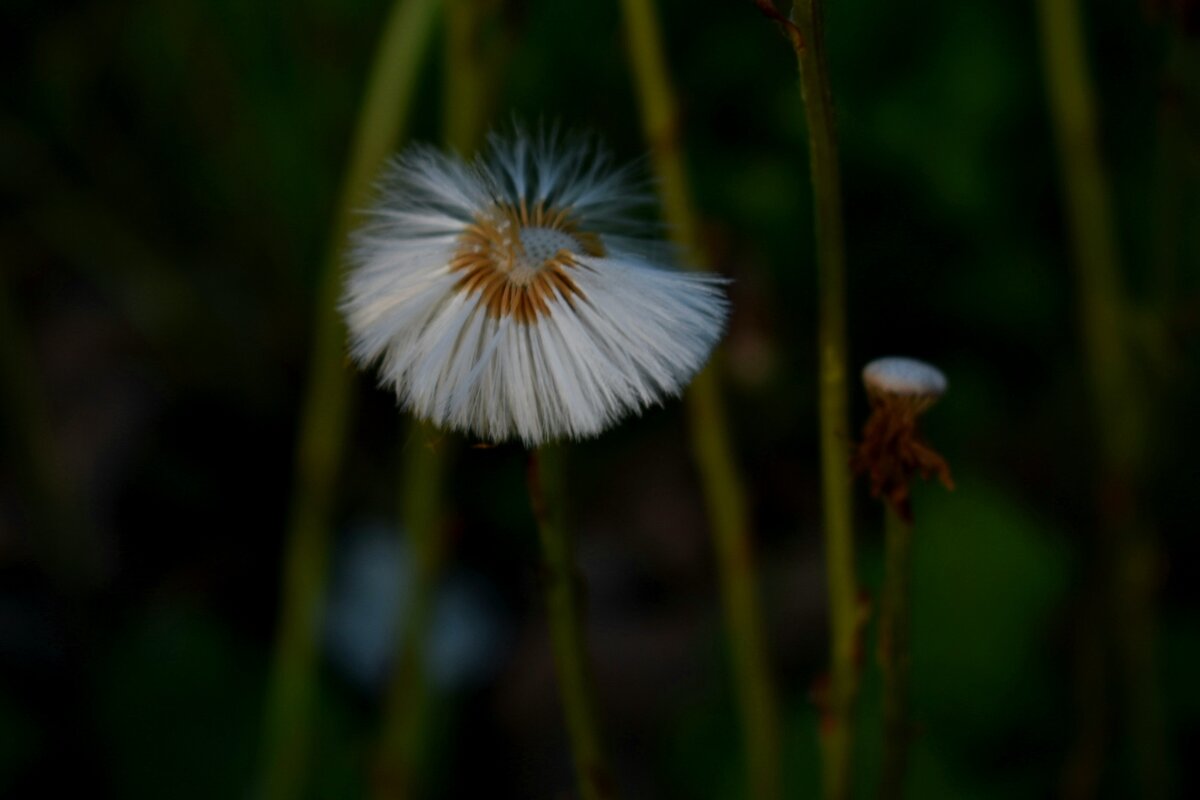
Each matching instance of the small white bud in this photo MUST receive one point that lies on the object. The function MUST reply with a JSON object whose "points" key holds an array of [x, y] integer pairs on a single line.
{"points": [[906, 377]]}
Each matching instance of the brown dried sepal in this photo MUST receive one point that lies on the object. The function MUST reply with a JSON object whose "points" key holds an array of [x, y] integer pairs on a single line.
{"points": [[892, 450], [490, 258]]}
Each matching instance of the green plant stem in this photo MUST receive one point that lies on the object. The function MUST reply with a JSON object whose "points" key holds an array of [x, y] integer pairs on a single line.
{"points": [[730, 528], [1127, 555], [1102, 318], [292, 682], [547, 494], [400, 757], [467, 98], [895, 654], [844, 622], [722, 484]]}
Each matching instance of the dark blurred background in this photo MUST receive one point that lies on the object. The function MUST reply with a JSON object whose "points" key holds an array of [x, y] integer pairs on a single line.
{"points": [[168, 180]]}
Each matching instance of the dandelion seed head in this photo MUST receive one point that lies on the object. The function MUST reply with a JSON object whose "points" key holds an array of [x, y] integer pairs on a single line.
{"points": [[514, 260], [518, 296]]}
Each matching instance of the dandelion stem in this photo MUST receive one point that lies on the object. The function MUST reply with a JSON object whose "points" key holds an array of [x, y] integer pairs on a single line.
{"points": [[400, 755], [293, 676], [722, 484], [895, 657], [547, 494], [1127, 550], [808, 40]]}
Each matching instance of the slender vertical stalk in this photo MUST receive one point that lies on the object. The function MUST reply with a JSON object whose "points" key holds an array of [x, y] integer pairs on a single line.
{"points": [[547, 494], [1089, 211], [737, 572], [806, 33], [292, 682], [895, 655], [1127, 549], [400, 755], [722, 484], [467, 99]]}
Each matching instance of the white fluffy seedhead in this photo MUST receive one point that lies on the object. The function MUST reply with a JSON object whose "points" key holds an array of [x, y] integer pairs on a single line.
{"points": [[519, 297]]}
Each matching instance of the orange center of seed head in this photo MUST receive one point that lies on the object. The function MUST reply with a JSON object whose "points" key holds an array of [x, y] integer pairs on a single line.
{"points": [[518, 258]]}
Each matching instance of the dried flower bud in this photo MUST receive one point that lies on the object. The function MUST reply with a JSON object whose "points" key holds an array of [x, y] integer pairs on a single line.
{"points": [[892, 449]]}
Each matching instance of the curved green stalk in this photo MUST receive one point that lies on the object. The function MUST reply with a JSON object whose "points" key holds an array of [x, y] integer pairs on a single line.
{"points": [[293, 676], [895, 654], [400, 759], [1127, 550], [547, 495], [469, 77], [723, 487], [805, 31]]}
